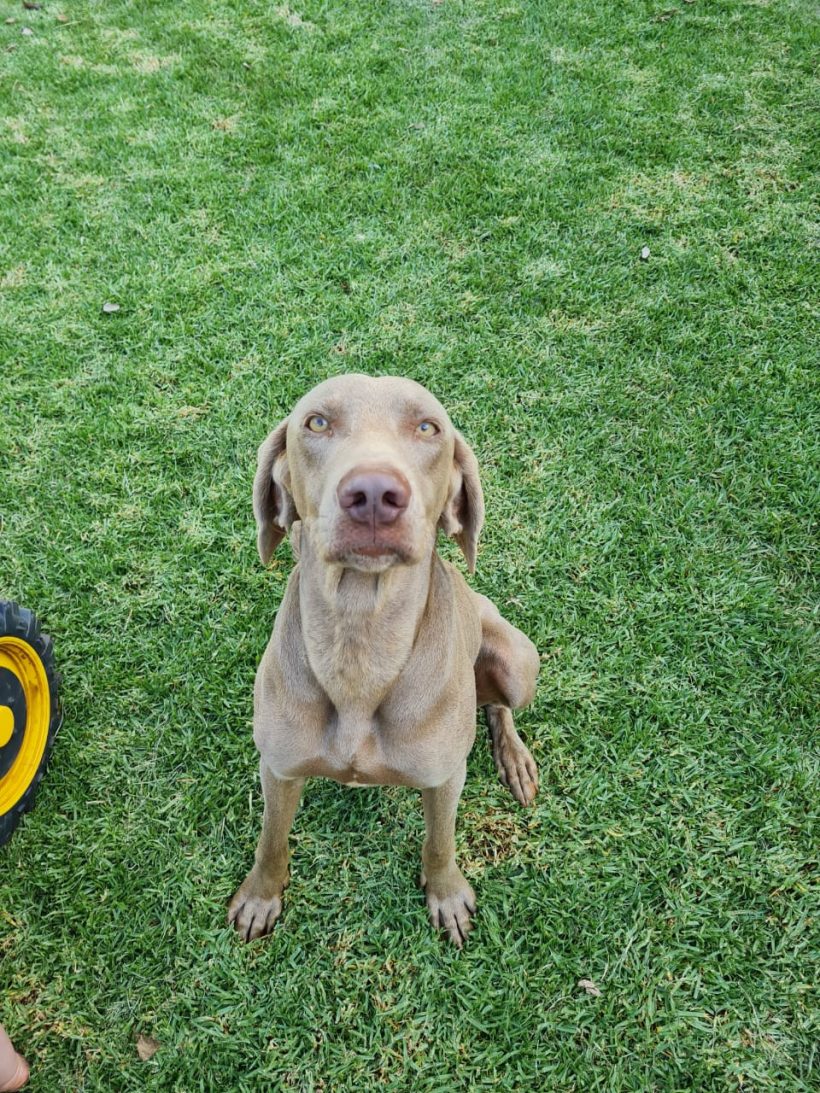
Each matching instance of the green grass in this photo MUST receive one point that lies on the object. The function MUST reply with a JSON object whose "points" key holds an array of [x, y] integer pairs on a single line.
{"points": [[458, 192]]}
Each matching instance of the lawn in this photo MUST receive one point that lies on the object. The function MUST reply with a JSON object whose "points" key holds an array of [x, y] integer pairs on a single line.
{"points": [[457, 191]]}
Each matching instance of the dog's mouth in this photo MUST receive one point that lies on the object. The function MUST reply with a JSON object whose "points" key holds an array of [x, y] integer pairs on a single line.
{"points": [[372, 555], [369, 552], [375, 551]]}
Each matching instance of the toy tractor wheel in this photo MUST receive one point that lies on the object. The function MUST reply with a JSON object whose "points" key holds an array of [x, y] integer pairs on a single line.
{"points": [[29, 712]]}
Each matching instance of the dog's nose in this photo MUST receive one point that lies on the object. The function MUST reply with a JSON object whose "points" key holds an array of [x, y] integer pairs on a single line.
{"points": [[374, 497]]}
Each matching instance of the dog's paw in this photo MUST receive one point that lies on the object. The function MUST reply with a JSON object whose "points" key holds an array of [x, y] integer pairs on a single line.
{"points": [[451, 904], [251, 912], [516, 767]]}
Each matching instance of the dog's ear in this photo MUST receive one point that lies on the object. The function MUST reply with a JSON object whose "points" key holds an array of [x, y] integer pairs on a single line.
{"points": [[463, 515], [273, 504]]}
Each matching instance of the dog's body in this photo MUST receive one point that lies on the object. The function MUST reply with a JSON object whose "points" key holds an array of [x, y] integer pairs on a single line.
{"points": [[380, 651]]}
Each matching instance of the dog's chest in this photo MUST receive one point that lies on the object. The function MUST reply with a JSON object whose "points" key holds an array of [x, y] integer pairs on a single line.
{"points": [[366, 704], [354, 748], [363, 751], [411, 739]]}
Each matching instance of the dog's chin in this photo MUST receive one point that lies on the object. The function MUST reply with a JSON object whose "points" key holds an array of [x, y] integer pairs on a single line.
{"points": [[371, 558], [371, 563]]}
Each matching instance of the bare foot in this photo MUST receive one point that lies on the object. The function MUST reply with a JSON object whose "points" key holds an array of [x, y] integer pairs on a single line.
{"points": [[19, 1078], [13, 1067]]}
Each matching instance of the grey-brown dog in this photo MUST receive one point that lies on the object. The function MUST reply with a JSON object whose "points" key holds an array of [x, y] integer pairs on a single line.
{"points": [[380, 651]]}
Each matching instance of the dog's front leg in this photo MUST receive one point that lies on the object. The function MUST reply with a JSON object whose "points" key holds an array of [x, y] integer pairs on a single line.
{"points": [[257, 903], [450, 899]]}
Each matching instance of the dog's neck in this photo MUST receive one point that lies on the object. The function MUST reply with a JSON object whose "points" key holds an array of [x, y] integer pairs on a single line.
{"points": [[359, 628]]}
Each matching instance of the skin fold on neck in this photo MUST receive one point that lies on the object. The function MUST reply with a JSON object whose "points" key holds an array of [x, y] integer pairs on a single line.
{"points": [[359, 628]]}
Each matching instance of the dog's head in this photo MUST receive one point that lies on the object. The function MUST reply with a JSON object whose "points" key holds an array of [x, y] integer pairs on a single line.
{"points": [[372, 468]]}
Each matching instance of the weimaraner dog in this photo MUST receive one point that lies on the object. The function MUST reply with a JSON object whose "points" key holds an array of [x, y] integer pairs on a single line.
{"points": [[380, 651]]}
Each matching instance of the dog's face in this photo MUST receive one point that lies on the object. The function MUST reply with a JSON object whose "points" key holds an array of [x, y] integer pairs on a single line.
{"points": [[372, 467]]}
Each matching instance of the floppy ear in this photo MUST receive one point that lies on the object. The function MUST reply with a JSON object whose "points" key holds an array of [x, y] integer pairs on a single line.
{"points": [[273, 504], [463, 515]]}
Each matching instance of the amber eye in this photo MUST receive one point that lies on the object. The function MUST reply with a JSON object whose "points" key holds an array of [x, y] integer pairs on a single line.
{"points": [[318, 424], [427, 428]]}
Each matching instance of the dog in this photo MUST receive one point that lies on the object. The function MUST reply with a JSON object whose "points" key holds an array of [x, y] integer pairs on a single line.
{"points": [[380, 651]]}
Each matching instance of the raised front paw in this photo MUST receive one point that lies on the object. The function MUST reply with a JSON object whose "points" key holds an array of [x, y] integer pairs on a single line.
{"points": [[451, 903], [516, 767], [255, 908]]}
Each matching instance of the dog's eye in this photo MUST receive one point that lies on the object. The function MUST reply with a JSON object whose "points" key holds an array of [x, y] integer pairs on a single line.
{"points": [[427, 428], [317, 424]]}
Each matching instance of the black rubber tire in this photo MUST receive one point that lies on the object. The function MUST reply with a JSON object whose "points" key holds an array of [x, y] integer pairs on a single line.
{"points": [[18, 622]]}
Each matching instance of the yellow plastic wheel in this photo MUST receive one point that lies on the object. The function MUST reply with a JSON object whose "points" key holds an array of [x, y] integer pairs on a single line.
{"points": [[29, 712]]}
